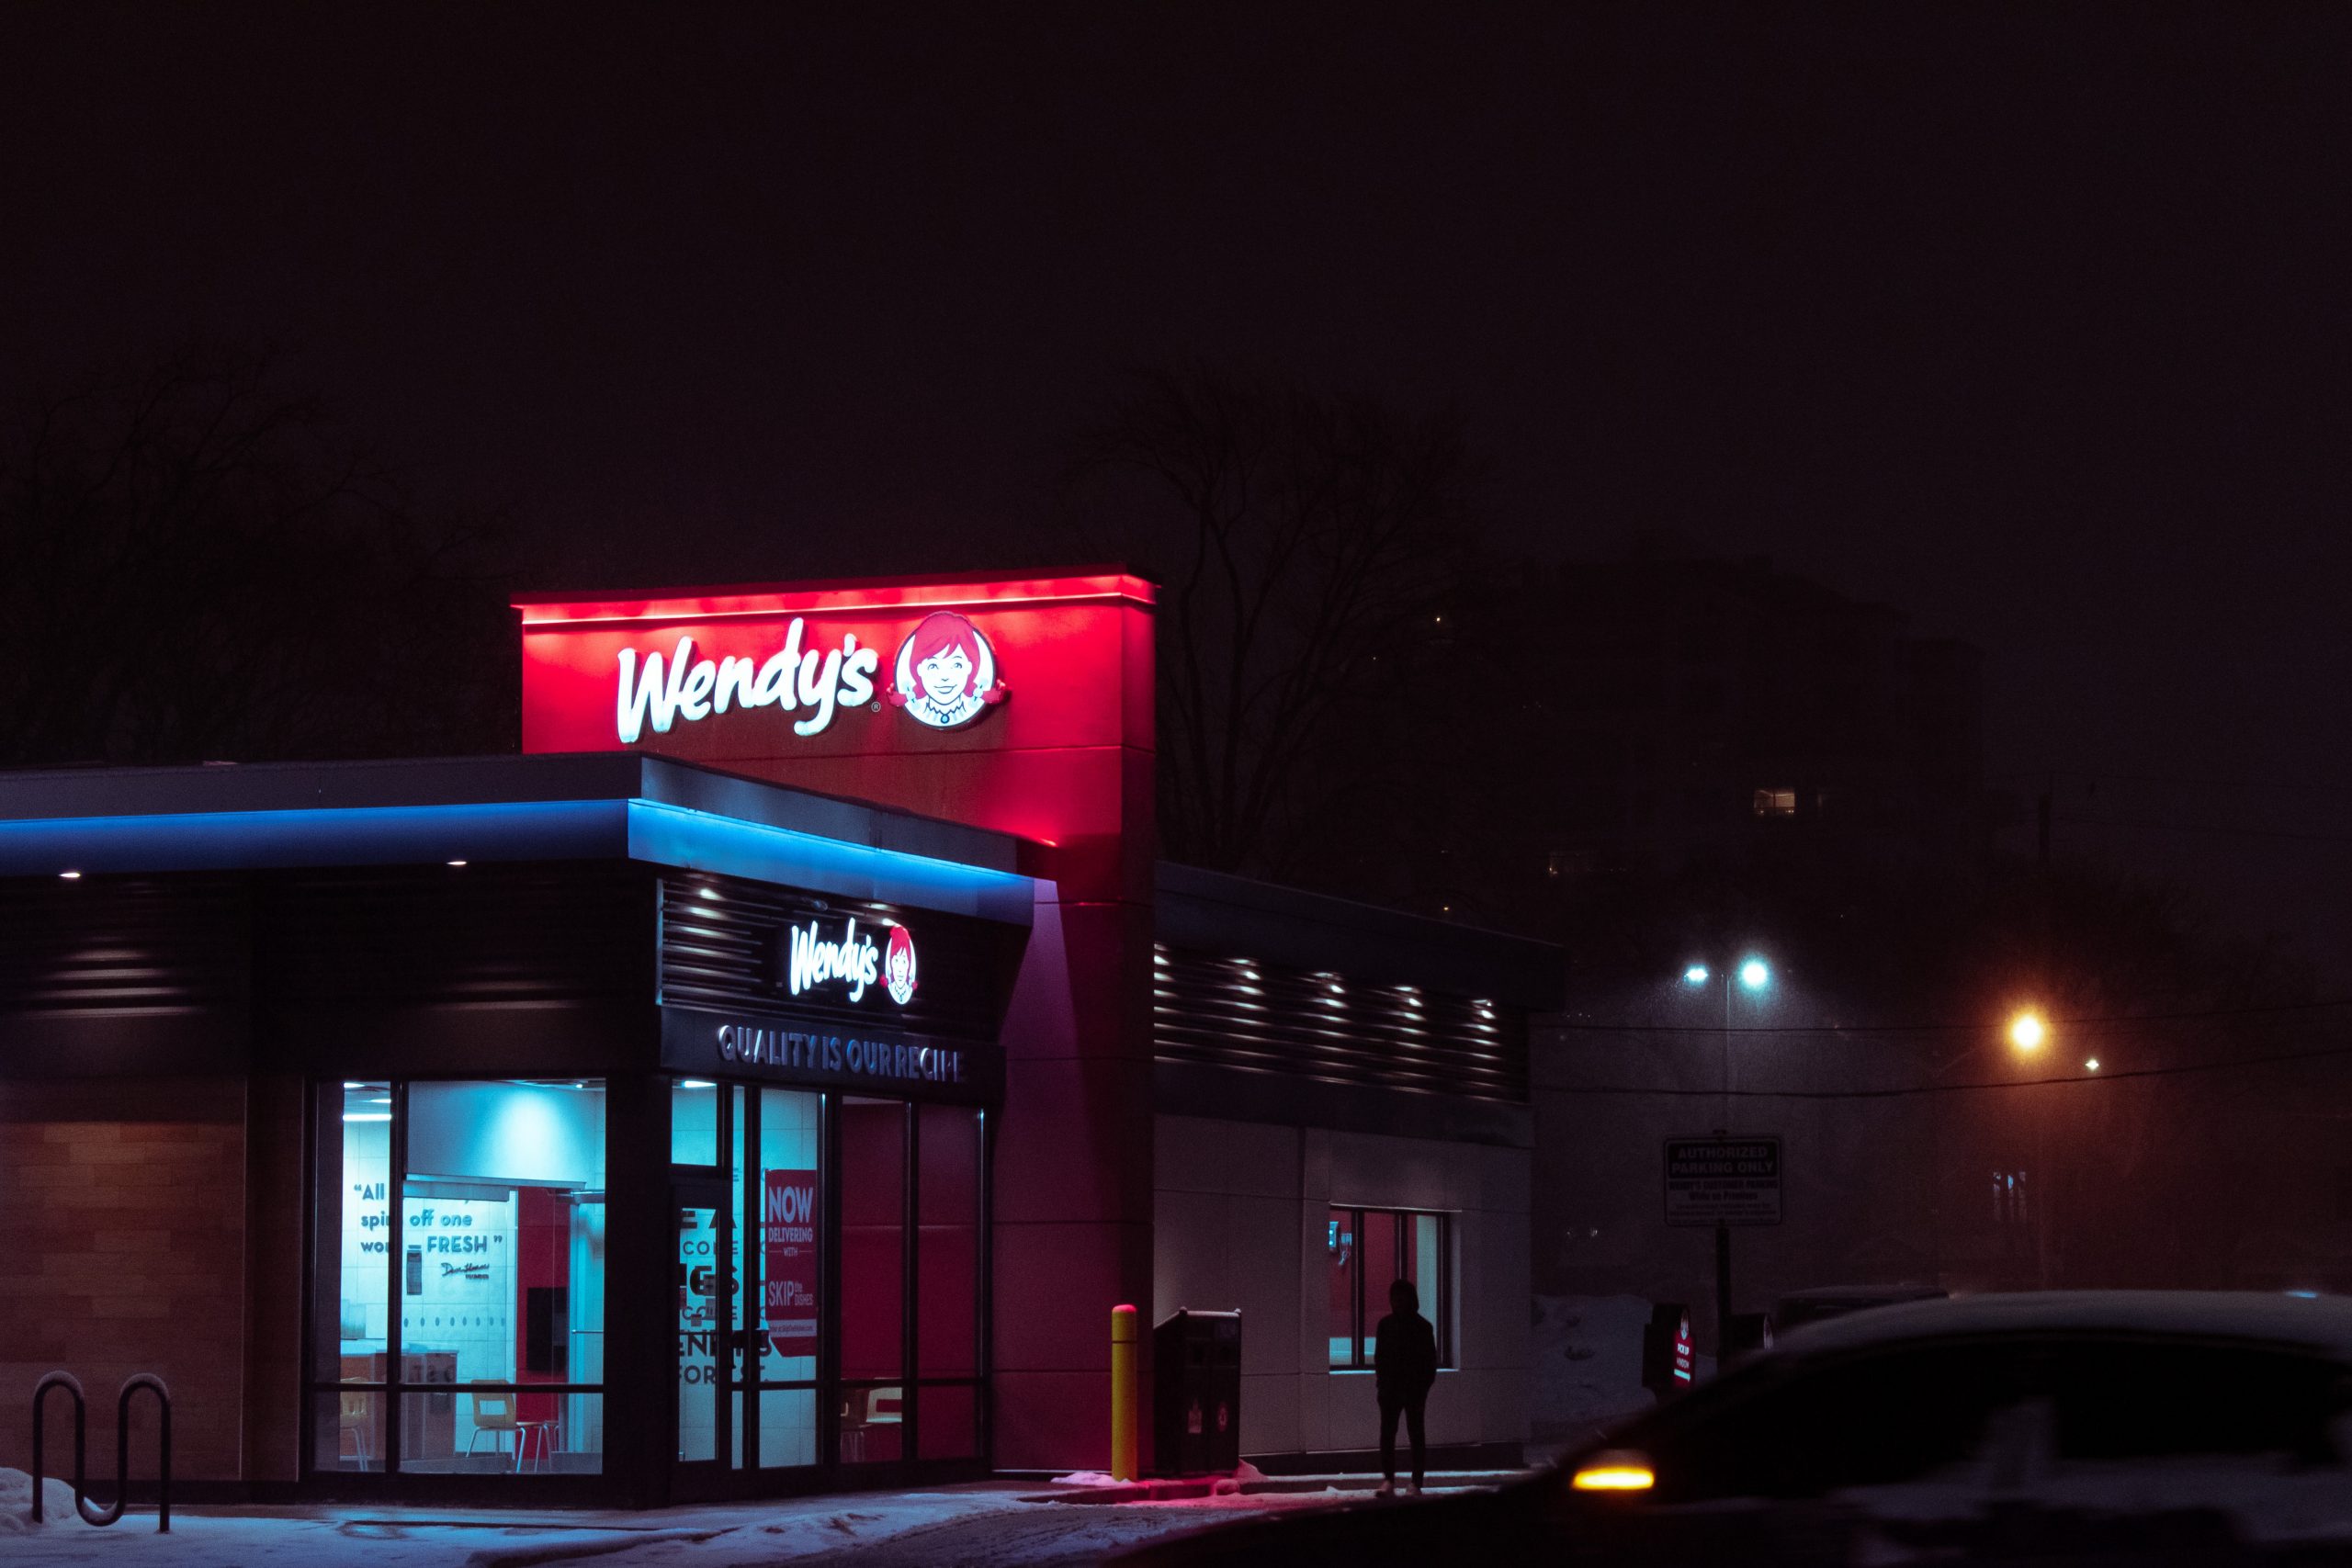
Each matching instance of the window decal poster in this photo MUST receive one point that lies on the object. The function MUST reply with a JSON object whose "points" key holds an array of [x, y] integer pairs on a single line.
{"points": [[789, 1264]]}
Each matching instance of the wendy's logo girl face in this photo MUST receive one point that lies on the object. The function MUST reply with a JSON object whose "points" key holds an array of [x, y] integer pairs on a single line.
{"points": [[899, 966], [945, 674]]}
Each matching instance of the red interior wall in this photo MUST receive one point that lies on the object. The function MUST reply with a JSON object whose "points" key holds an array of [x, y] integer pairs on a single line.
{"points": [[542, 1257]]}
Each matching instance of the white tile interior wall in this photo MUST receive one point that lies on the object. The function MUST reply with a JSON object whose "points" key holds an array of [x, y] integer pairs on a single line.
{"points": [[1240, 1213]]}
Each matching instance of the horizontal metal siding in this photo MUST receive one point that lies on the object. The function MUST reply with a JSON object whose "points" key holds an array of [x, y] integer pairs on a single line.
{"points": [[482, 934], [119, 944], [1238, 1012]]}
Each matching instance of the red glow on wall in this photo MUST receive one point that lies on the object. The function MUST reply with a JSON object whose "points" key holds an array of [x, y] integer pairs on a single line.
{"points": [[801, 684], [860, 596]]}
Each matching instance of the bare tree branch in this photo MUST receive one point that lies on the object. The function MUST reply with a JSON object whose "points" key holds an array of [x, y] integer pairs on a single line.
{"points": [[1304, 544]]}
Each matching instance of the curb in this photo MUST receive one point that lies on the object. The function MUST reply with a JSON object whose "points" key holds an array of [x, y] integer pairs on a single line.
{"points": [[1179, 1489]]}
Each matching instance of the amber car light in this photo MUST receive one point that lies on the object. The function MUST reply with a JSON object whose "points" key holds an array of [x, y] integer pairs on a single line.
{"points": [[1614, 1471]]}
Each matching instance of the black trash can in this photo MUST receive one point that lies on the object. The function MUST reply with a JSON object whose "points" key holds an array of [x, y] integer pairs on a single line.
{"points": [[1196, 1393]]}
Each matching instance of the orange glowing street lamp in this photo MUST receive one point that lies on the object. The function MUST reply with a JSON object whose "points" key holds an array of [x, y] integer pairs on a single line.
{"points": [[2027, 1032]]}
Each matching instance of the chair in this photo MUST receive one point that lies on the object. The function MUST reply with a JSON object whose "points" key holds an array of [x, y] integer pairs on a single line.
{"points": [[864, 1408], [358, 1412], [495, 1413]]}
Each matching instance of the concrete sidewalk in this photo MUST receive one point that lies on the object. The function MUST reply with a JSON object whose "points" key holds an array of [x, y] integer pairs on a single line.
{"points": [[993, 1522]]}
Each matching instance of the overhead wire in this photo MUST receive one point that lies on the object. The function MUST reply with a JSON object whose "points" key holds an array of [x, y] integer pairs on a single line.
{"points": [[2099, 1020], [1981, 1085]]}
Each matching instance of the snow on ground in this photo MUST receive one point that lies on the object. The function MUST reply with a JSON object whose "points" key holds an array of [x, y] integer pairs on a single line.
{"points": [[17, 1500], [979, 1525]]}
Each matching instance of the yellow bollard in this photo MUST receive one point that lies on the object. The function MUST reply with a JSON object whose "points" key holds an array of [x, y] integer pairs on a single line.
{"points": [[1122, 1393]]}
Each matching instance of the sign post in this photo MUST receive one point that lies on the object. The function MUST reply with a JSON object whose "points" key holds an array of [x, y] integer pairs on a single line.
{"points": [[1722, 1181]]}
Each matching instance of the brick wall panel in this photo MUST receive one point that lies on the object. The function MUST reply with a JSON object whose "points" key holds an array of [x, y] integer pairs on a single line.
{"points": [[121, 1226]]}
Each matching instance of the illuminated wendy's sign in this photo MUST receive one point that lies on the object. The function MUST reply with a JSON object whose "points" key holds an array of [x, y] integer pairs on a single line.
{"points": [[794, 683], [852, 960], [808, 959], [790, 679], [944, 677]]}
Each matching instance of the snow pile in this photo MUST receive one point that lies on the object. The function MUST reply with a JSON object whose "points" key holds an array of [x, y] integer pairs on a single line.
{"points": [[1587, 1364], [1231, 1485], [17, 1504], [1240, 1477]]}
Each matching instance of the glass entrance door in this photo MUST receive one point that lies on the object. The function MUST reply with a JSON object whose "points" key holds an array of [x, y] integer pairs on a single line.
{"points": [[706, 1293]]}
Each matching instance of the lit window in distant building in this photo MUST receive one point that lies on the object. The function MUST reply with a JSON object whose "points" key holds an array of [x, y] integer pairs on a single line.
{"points": [[2009, 1198], [1776, 802]]}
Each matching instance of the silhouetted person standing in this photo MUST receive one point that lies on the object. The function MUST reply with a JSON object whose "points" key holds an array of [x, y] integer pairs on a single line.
{"points": [[1404, 1367]]}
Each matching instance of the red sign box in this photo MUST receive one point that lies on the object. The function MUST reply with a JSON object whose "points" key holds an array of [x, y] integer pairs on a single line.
{"points": [[788, 1260], [1023, 705]]}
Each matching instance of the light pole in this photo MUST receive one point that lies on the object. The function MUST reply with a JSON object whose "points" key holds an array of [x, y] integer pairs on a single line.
{"points": [[2027, 1032], [1755, 975]]}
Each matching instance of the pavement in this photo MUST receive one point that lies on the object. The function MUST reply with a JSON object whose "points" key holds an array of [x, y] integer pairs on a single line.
{"points": [[979, 1525]]}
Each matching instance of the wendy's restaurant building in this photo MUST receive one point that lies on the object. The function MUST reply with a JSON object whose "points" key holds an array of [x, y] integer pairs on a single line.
{"points": [[770, 1079]]}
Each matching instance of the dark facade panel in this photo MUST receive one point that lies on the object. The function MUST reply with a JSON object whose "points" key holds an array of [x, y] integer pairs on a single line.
{"points": [[112, 944], [1251, 1015], [1227, 1094], [726, 948], [1209, 911], [408, 937], [102, 975]]}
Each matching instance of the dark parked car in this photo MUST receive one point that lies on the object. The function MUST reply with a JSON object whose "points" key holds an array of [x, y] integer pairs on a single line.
{"points": [[1799, 1308], [2062, 1428]]}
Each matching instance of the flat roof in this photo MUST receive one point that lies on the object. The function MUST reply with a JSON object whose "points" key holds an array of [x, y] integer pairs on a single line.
{"points": [[1228, 916], [865, 595], [599, 806]]}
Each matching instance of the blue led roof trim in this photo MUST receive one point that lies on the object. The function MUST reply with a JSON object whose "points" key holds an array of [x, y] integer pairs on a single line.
{"points": [[485, 832]]}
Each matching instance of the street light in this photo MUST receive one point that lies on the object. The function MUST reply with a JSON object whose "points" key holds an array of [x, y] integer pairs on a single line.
{"points": [[1754, 975], [2027, 1032]]}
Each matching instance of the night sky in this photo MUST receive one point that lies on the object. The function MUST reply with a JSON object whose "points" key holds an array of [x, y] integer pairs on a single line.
{"points": [[2037, 328]]}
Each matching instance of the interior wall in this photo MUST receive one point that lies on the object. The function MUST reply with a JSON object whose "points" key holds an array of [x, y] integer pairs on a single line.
{"points": [[122, 1232], [1241, 1211]]}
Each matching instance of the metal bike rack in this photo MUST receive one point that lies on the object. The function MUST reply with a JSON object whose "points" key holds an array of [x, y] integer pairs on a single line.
{"points": [[91, 1512]]}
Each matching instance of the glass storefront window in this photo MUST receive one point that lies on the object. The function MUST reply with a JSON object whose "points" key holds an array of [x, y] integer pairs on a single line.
{"points": [[467, 1283], [873, 1301], [948, 1253], [788, 1228], [1369, 1250], [459, 1275], [1341, 1245], [694, 1121], [363, 1240], [789, 1218], [873, 1203], [950, 1424], [947, 1277]]}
